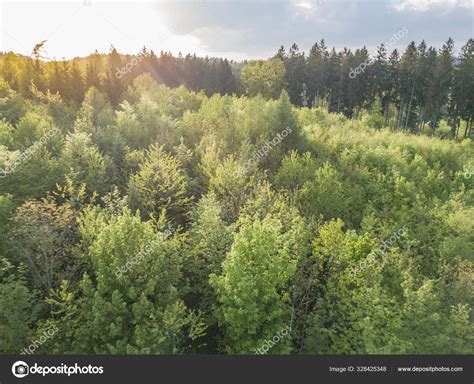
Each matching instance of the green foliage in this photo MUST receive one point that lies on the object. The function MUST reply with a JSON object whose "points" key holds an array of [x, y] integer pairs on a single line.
{"points": [[324, 195], [229, 182], [29, 129], [136, 283], [6, 212], [35, 175], [95, 113], [83, 163], [18, 309], [47, 233], [254, 304], [12, 106], [266, 78], [208, 241], [160, 220], [295, 170], [160, 185]]}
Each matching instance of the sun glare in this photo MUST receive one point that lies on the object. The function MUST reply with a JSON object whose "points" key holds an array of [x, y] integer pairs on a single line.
{"points": [[78, 28]]}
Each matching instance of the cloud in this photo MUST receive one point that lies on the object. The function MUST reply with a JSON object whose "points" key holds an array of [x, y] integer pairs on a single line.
{"points": [[426, 5], [257, 28], [305, 5], [238, 29]]}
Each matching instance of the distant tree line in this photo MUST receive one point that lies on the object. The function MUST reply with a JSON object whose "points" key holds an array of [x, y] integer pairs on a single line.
{"points": [[113, 73], [412, 91]]}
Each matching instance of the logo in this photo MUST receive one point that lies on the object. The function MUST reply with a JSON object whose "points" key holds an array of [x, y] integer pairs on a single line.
{"points": [[20, 369]]}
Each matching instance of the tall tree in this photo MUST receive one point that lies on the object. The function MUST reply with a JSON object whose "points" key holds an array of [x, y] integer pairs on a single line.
{"points": [[462, 105]]}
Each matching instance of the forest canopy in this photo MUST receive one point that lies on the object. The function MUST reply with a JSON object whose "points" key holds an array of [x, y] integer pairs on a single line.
{"points": [[197, 205]]}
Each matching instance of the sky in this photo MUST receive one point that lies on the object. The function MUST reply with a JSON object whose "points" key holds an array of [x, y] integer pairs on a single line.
{"points": [[235, 29]]}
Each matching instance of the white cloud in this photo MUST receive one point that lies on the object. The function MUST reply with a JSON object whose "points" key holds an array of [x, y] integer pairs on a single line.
{"points": [[305, 5], [426, 5], [228, 28], [308, 4]]}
